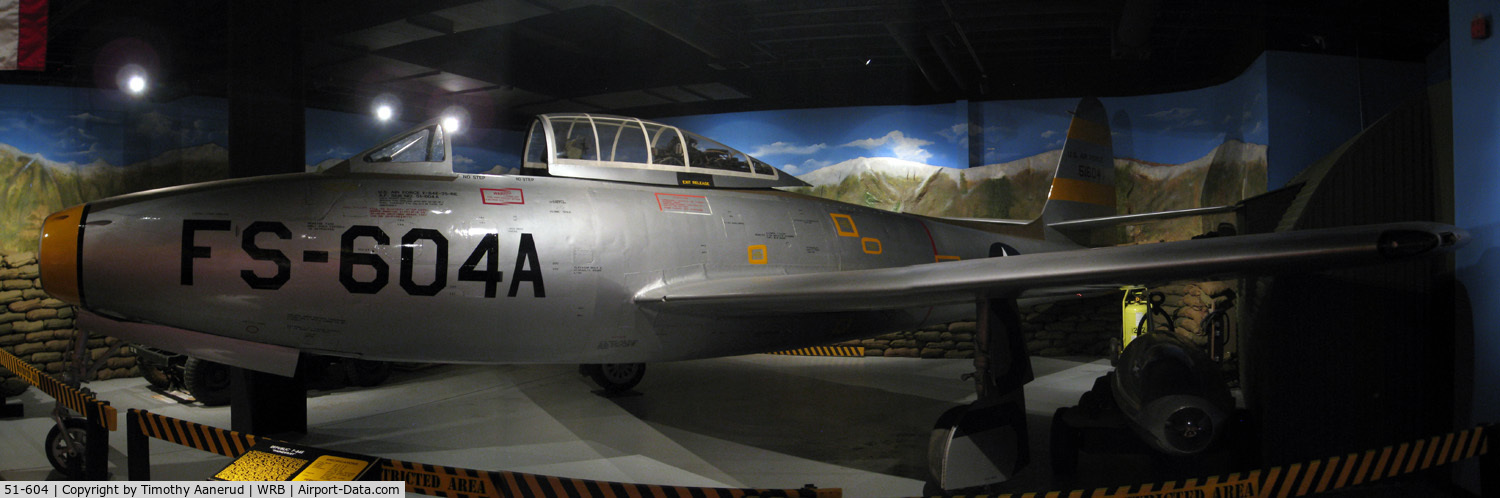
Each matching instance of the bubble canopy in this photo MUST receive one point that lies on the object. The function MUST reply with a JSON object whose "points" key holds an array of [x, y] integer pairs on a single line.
{"points": [[633, 150]]}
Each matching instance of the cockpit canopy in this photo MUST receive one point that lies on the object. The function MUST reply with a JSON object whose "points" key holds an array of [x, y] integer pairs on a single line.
{"points": [[632, 150], [424, 151]]}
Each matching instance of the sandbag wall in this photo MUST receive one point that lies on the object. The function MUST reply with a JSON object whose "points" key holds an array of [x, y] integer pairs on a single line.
{"points": [[39, 329]]}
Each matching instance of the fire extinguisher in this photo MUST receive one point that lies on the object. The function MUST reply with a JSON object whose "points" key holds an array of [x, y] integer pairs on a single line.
{"points": [[1135, 311]]}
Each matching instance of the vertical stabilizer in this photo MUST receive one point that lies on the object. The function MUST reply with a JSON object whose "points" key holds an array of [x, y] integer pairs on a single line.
{"points": [[1084, 185]]}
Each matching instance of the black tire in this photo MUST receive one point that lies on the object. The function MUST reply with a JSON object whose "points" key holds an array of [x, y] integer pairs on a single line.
{"points": [[60, 454], [366, 373], [207, 381], [616, 377], [156, 375]]}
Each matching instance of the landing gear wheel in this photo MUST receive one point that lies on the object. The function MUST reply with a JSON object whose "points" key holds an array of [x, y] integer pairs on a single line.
{"points": [[207, 381], [156, 376], [61, 454], [616, 377], [366, 373]]}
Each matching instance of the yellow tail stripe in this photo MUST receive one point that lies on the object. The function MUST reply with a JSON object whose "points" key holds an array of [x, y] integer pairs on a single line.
{"points": [[1068, 189], [1089, 131]]}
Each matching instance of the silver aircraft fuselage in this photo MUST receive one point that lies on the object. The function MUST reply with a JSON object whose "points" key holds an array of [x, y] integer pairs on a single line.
{"points": [[626, 241], [494, 269]]}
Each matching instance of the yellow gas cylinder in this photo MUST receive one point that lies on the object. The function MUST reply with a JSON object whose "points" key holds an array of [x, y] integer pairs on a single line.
{"points": [[1133, 311]]}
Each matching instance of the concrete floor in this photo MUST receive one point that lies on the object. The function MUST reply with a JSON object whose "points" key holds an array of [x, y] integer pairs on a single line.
{"points": [[761, 421]]}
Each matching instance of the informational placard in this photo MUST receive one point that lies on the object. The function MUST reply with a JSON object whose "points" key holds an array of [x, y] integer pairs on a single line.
{"points": [[684, 204], [282, 461], [502, 196]]}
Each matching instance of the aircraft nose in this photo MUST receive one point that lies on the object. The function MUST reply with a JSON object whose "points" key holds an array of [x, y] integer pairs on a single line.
{"points": [[58, 255]]}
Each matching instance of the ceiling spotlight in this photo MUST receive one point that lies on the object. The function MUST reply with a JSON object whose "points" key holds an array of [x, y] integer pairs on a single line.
{"points": [[385, 107], [132, 80], [454, 118], [136, 85]]}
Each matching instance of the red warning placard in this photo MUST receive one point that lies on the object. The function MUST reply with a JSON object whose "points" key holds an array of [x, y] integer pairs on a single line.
{"points": [[686, 204], [501, 196]]}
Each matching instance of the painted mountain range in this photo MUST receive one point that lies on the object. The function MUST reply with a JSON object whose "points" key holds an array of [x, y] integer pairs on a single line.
{"points": [[35, 186], [1017, 190]]}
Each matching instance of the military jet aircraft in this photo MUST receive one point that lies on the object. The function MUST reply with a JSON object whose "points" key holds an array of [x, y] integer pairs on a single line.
{"points": [[621, 242]]}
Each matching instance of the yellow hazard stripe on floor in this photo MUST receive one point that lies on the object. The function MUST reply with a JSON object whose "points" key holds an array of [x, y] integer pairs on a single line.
{"points": [[453, 482], [825, 351], [1306, 478], [193, 435], [68, 396]]}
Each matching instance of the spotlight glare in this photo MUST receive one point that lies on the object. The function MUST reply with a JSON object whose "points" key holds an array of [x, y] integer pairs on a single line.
{"points": [[450, 124], [137, 84], [384, 112]]}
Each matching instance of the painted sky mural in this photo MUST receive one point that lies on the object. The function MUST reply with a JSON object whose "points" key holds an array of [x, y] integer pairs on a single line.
{"points": [[60, 146], [65, 126], [1169, 129]]}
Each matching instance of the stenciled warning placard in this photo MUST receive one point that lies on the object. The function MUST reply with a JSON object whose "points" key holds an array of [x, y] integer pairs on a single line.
{"points": [[502, 196], [685, 204]]}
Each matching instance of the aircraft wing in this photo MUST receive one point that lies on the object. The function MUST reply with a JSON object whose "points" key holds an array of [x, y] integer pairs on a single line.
{"points": [[1056, 273]]}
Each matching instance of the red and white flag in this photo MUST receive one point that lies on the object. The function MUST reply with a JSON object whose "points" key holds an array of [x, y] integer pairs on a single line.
{"points": [[23, 34]]}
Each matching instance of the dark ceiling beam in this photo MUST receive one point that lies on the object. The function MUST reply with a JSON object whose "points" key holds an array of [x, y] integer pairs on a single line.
{"points": [[826, 37], [339, 17], [911, 54], [433, 22], [936, 40], [1132, 36], [677, 20], [409, 77], [984, 76]]}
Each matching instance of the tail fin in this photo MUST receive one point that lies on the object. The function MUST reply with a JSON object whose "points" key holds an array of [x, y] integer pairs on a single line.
{"points": [[1084, 184]]}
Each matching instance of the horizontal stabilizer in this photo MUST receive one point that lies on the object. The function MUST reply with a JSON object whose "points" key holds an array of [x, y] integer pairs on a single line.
{"points": [[1128, 219], [1055, 273]]}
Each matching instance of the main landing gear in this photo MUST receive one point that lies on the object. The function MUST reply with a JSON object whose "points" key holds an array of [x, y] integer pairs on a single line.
{"points": [[985, 443], [614, 378], [208, 381]]}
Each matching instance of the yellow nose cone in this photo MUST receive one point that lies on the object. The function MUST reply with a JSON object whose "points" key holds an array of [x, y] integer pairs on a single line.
{"points": [[58, 255]]}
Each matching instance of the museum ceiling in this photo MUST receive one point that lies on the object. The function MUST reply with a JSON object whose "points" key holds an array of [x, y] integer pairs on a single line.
{"points": [[653, 58]]}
